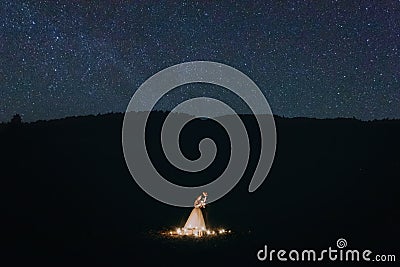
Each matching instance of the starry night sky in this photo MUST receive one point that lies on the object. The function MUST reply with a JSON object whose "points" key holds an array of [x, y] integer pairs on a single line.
{"points": [[310, 58]]}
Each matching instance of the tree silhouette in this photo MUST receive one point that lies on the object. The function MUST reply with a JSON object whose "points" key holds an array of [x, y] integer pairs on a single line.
{"points": [[16, 119]]}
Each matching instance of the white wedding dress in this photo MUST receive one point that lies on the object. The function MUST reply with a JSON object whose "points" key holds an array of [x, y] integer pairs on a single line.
{"points": [[195, 220]]}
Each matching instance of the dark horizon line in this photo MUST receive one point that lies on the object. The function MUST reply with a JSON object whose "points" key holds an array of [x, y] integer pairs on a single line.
{"points": [[166, 111]]}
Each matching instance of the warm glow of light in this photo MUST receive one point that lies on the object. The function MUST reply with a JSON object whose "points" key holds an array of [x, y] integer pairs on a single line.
{"points": [[197, 232]]}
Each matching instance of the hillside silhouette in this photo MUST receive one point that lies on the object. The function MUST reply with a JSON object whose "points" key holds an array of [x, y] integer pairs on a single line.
{"points": [[67, 196]]}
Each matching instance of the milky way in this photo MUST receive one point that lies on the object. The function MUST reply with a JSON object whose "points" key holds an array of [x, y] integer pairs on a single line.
{"points": [[310, 58]]}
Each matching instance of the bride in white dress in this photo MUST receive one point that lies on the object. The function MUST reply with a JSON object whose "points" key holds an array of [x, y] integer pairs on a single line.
{"points": [[196, 219]]}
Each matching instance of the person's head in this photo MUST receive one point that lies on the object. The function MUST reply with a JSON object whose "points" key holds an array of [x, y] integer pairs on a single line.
{"points": [[205, 194]]}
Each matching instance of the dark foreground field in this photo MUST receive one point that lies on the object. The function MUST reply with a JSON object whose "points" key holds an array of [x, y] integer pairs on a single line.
{"points": [[67, 197]]}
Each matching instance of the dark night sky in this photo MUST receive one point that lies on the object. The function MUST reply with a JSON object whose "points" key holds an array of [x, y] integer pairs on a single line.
{"points": [[310, 58]]}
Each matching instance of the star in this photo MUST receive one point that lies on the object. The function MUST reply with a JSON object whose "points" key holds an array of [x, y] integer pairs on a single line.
{"points": [[299, 54]]}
